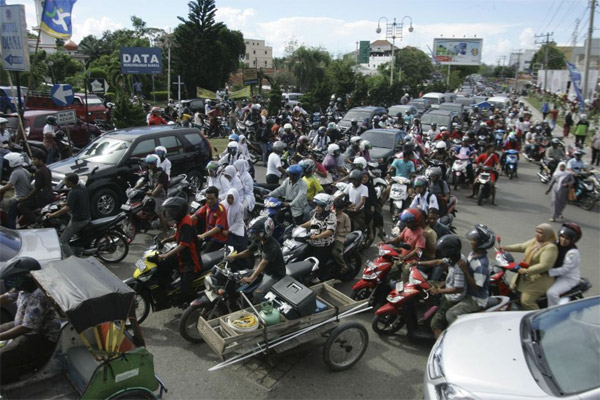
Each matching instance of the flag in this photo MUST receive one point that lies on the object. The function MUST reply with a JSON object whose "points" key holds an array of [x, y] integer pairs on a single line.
{"points": [[56, 18], [241, 94], [205, 93], [576, 80], [2, 3]]}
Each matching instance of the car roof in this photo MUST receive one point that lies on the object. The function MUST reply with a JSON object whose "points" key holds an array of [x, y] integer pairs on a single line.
{"points": [[132, 133], [367, 108], [384, 131], [34, 113]]}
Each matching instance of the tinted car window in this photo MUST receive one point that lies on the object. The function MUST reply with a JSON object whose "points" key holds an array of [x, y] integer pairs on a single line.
{"points": [[105, 150], [143, 148], [3, 93], [10, 244], [172, 144], [379, 139], [194, 139], [40, 121]]}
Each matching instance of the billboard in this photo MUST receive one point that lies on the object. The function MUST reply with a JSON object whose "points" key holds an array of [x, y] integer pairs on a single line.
{"points": [[141, 60], [250, 76], [457, 51], [364, 52]]}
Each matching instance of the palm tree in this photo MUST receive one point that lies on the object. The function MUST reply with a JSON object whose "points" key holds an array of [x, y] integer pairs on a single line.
{"points": [[308, 66], [93, 48]]}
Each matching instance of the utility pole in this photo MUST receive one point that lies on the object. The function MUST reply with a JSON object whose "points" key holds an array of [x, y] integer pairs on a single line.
{"points": [[574, 40], [545, 42], [588, 50], [169, 66], [519, 53]]}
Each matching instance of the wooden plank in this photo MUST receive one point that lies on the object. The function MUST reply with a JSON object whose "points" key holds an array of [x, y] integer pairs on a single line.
{"points": [[211, 336]]}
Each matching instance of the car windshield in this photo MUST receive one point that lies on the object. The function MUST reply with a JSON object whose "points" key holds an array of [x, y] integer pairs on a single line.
{"points": [[569, 342], [10, 243], [439, 119], [104, 150], [419, 104], [359, 115], [396, 109], [379, 139]]}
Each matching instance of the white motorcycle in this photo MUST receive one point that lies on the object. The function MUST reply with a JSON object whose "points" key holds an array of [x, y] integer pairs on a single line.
{"points": [[398, 196], [459, 170]]}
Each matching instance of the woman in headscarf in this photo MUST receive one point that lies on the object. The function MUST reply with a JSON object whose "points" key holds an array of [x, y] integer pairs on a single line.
{"points": [[561, 180], [236, 234], [231, 181], [540, 255], [247, 194]]}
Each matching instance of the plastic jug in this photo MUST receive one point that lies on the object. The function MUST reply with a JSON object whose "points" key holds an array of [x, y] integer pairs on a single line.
{"points": [[269, 314]]}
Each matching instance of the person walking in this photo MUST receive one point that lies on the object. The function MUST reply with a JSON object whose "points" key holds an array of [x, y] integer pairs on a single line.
{"points": [[581, 130], [545, 110], [568, 123], [595, 145], [561, 180]]}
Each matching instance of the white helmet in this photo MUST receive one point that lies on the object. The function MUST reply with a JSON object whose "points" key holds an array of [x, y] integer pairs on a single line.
{"points": [[365, 145], [14, 159], [443, 128], [440, 145], [323, 200], [360, 162], [161, 150], [3, 120], [333, 149], [583, 117], [355, 139], [287, 127], [483, 125]]}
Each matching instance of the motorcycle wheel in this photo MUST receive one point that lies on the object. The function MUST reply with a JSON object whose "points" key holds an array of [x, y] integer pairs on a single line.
{"points": [[130, 228], [361, 294], [353, 263], [112, 247], [587, 202], [510, 174], [480, 197], [345, 346], [387, 324], [142, 307], [188, 323]]}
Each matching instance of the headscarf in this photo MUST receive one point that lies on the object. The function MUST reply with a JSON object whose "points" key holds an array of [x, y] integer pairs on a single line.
{"points": [[560, 175], [247, 183], [230, 171], [548, 237], [241, 165], [233, 209]]}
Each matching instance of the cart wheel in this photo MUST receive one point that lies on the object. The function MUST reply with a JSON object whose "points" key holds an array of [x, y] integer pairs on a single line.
{"points": [[345, 346], [387, 324]]}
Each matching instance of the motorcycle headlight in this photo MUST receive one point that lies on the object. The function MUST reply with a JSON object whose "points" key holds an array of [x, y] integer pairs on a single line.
{"points": [[435, 367], [448, 391], [383, 252], [394, 299]]}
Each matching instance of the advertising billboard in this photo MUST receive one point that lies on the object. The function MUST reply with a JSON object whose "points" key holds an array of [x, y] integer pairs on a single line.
{"points": [[457, 51], [141, 60], [364, 52]]}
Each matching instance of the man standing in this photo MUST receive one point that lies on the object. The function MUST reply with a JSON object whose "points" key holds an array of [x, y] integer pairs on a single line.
{"points": [[41, 194], [581, 130], [78, 205], [274, 166], [20, 181]]}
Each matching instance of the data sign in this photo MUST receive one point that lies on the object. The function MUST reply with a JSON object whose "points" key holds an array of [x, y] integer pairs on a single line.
{"points": [[15, 49], [141, 60]]}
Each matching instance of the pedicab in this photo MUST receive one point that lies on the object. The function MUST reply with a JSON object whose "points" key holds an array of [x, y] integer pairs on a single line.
{"points": [[100, 353]]}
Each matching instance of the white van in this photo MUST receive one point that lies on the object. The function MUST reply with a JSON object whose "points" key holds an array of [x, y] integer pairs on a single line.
{"points": [[500, 103], [435, 99]]}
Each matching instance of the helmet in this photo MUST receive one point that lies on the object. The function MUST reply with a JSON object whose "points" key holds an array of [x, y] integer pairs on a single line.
{"points": [[256, 107], [175, 207], [435, 171], [208, 101], [308, 166], [483, 125], [234, 137], [339, 100], [333, 149], [323, 200], [322, 130], [583, 117], [420, 181], [155, 110], [160, 151], [571, 231], [16, 159], [51, 119], [354, 121], [287, 127], [365, 145], [331, 126], [448, 246], [411, 215], [483, 236], [295, 170], [302, 139], [262, 226], [212, 166], [555, 141], [3, 120], [18, 270], [278, 146], [152, 159], [355, 140], [440, 145], [232, 148], [355, 175], [360, 163], [512, 137], [434, 124], [577, 152]]}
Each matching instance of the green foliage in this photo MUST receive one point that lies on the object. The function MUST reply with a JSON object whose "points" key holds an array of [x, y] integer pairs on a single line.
{"points": [[214, 49], [97, 73], [504, 72], [556, 58], [160, 95], [414, 68], [274, 99], [127, 114], [94, 48], [63, 65], [486, 70], [308, 66], [340, 77]]}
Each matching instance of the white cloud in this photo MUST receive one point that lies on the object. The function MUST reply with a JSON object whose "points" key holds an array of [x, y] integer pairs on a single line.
{"points": [[236, 19], [527, 38], [93, 26]]}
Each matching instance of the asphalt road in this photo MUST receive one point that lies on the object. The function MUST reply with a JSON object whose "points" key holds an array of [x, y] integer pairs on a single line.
{"points": [[392, 367]]}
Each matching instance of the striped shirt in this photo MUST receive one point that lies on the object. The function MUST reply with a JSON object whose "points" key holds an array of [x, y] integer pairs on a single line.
{"points": [[478, 267], [455, 279]]}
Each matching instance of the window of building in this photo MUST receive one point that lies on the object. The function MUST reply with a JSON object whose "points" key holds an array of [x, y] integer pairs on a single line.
{"points": [[265, 63], [265, 52], [247, 56], [253, 51]]}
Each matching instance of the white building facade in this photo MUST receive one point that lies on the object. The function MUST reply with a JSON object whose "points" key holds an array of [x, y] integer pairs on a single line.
{"points": [[258, 54]]}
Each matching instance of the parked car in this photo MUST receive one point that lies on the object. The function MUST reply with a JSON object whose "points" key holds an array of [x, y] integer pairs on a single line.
{"points": [[95, 108], [440, 117], [8, 102], [435, 99], [111, 163], [360, 114], [407, 109], [385, 142], [465, 101], [423, 105], [35, 120], [292, 98], [457, 107], [551, 354], [194, 105], [450, 97]]}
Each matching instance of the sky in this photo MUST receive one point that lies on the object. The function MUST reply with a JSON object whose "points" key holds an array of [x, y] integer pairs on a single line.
{"points": [[336, 25]]}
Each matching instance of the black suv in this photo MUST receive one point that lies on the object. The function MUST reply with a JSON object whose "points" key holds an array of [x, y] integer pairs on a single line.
{"points": [[111, 163]]}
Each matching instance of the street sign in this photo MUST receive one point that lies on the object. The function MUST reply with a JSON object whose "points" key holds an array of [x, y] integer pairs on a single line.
{"points": [[250, 76], [62, 95], [141, 60], [66, 117], [98, 85], [364, 52], [15, 50]]}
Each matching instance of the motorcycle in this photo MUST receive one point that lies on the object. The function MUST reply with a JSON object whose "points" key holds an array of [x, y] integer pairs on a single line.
{"points": [[499, 138], [398, 196], [295, 249], [547, 167], [281, 216], [459, 170], [410, 304], [511, 163], [587, 189], [484, 183], [153, 292], [536, 151]]}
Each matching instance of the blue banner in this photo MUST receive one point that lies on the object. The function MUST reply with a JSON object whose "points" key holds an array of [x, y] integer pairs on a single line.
{"points": [[576, 80], [56, 18], [141, 60]]}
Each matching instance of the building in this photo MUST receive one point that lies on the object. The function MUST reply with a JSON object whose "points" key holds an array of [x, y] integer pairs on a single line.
{"points": [[258, 54], [381, 53], [524, 59], [576, 55]]}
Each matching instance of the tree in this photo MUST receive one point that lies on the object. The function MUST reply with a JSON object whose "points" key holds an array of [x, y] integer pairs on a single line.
{"points": [[556, 58], [205, 53], [415, 67], [308, 66], [63, 65], [93, 48]]}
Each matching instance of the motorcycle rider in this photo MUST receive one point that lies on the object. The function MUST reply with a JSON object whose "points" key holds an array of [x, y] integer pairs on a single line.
{"points": [[576, 165], [433, 221], [79, 206], [156, 118], [20, 181], [41, 194], [271, 263], [322, 225], [343, 227], [465, 149], [423, 200], [554, 154], [321, 140], [213, 218], [333, 161], [354, 128], [476, 273], [188, 247], [313, 186], [511, 143], [247, 194], [433, 131], [353, 150], [231, 180], [487, 159], [293, 190], [365, 150], [274, 166], [158, 181], [36, 328], [215, 178], [404, 166], [357, 193], [412, 235], [165, 163], [232, 154], [566, 267]]}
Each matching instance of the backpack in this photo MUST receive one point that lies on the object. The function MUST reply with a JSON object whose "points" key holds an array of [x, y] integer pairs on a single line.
{"points": [[442, 205]]}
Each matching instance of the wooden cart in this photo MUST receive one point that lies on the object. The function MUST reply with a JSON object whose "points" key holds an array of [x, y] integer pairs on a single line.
{"points": [[345, 345]]}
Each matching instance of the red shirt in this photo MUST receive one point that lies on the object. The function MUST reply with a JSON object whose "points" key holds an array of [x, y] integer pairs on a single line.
{"points": [[216, 216], [186, 236], [488, 160], [156, 120], [413, 239], [508, 145]]}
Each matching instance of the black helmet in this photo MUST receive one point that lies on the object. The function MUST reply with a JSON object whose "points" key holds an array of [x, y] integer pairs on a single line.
{"points": [[15, 273], [571, 231], [483, 236], [51, 119], [262, 226], [176, 208], [448, 246], [355, 175]]}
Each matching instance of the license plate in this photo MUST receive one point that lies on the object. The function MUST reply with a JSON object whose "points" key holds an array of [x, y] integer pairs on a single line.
{"points": [[399, 286], [125, 207], [195, 204], [141, 265]]}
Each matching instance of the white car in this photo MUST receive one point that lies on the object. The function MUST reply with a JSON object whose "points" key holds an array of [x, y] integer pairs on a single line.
{"points": [[552, 353]]}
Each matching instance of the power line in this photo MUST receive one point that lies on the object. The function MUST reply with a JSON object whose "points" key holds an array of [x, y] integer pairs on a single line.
{"points": [[568, 12], [554, 15], [547, 14]]}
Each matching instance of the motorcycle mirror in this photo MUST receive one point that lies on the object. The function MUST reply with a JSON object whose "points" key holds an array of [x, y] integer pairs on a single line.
{"points": [[405, 246]]}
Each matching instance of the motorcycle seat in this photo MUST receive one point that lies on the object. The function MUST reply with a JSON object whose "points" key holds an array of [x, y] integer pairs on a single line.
{"points": [[298, 269], [209, 260], [106, 221], [176, 180], [351, 237]]}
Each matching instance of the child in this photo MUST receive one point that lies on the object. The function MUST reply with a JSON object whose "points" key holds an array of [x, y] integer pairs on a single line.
{"points": [[342, 229]]}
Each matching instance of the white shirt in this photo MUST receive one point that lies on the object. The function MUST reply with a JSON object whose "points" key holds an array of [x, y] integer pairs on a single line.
{"points": [[355, 194], [273, 163], [166, 166], [50, 129], [420, 201], [4, 136]]}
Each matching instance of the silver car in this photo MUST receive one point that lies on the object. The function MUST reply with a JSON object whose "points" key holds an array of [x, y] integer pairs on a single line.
{"points": [[552, 353]]}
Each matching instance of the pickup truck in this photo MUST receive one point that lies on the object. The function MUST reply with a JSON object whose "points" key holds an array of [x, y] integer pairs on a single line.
{"points": [[96, 107]]}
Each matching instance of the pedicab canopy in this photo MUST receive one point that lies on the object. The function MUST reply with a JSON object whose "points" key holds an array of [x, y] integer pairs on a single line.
{"points": [[86, 291]]}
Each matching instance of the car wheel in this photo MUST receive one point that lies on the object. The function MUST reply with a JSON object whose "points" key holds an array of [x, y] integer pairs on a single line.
{"points": [[195, 178], [104, 203]]}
